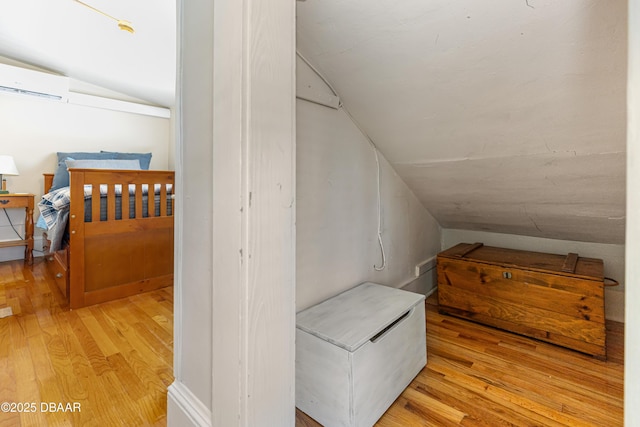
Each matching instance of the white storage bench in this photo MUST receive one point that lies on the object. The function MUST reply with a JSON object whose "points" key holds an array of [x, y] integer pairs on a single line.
{"points": [[356, 352]]}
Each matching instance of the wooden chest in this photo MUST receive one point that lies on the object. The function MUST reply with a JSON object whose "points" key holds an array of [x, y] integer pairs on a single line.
{"points": [[356, 352], [554, 298]]}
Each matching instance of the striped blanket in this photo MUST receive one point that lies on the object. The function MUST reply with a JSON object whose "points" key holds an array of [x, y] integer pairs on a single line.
{"points": [[54, 208]]}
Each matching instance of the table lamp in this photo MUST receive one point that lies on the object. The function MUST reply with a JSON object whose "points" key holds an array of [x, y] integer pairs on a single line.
{"points": [[7, 167]]}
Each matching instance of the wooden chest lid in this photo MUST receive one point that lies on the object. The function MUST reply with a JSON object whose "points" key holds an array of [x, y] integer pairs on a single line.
{"points": [[351, 318], [567, 265]]}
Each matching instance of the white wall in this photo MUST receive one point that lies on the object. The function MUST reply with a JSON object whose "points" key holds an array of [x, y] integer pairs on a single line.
{"points": [[34, 129], [235, 229], [194, 245], [337, 215], [632, 320], [611, 254]]}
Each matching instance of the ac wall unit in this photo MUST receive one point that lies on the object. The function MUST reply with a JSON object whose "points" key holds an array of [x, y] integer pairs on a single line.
{"points": [[28, 82]]}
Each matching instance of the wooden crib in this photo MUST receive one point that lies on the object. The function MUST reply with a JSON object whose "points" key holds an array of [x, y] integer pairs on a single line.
{"points": [[108, 258]]}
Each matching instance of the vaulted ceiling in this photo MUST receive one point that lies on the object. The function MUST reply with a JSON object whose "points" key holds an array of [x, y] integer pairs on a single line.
{"points": [[501, 115], [70, 39]]}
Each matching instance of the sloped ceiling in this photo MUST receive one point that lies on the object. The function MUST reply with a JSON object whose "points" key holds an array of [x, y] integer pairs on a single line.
{"points": [[68, 38], [501, 115]]}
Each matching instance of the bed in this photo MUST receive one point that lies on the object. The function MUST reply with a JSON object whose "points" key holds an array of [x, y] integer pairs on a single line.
{"points": [[116, 244]]}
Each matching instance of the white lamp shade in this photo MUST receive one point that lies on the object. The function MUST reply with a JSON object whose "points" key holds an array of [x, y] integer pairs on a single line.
{"points": [[8, 166]]}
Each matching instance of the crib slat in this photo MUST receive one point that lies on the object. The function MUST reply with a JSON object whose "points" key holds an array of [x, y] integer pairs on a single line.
{"points": [[151, 206], [163, 200], [95, 202], [124, 202], [111, 202], [139, 213]]}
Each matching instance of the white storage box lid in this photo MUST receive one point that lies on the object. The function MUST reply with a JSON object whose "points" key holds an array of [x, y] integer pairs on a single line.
{"points": [[352, 318]]}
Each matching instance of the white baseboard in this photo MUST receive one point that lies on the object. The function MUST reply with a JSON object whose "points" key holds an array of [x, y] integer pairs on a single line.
{"points": [[428, 294], [614, 305], [426, 265], [425, 284], [184, 409]]}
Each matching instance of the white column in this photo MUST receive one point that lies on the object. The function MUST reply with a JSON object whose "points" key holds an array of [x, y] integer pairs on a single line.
{"points": [[632, 279], [235, 281]]}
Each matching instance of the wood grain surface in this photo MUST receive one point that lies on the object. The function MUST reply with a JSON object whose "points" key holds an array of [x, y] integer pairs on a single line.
{"points": [[114, 359], [489, 286], [481, 376]]}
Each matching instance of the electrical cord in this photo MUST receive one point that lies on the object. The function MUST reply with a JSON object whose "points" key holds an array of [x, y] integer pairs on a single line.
{"points": [[16, 231], [384, 259], [11, 224], [375, 151], [318, 74]]}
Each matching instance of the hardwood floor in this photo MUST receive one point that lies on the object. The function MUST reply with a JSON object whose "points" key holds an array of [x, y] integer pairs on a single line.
{"points": [[481, 376], [113, 361]]}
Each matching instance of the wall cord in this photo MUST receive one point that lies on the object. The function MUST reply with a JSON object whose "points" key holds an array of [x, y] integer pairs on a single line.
{"points": [[11, 224], [16, 231], [375, 151], [306, 61], [384, 259]]}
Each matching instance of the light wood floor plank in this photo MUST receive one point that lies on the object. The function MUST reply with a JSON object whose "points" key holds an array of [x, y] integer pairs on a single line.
{"points": [[106, 346], [493, 378], [7, 373], [135, 388], [480, 411], [409, 414], [156, 311], [115, 360], [26, 384]]}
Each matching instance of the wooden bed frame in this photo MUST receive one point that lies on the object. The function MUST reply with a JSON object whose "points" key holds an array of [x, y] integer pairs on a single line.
{"points": [[113, 258]]}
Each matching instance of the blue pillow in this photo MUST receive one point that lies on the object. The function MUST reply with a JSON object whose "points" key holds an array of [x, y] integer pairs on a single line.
{"points": [[61, 175], [82, 155], [144, 158]]}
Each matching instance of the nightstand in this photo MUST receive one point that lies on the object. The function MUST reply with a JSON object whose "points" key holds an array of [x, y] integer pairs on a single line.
{"points": [[16, 201]]}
